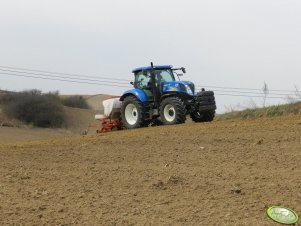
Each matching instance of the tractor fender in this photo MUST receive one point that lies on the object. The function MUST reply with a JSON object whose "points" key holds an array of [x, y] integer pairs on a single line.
{"points": [[138, 93], [183, 96]]}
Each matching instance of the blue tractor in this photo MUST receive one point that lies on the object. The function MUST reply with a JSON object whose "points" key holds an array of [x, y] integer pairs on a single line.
{"points": [[158, 98]]}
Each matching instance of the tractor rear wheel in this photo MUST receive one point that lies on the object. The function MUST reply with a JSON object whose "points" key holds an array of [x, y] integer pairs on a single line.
{"points": [[172, 111], [207, 116], [133, 113]]}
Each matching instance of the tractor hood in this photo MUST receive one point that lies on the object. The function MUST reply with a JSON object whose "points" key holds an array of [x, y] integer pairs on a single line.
{"points": [[179, 86]]}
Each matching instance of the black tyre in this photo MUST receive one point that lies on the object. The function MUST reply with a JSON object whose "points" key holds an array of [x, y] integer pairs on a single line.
{"points": [[156, 122], [172, 111], [206, 116], [205, 93], [133, 113]]}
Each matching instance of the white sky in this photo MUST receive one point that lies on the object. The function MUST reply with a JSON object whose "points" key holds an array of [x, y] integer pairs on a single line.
{"points": [[235, 43]]}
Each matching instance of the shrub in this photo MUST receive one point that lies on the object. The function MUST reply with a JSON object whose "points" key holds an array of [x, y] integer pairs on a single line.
{"points": [[42, 110], [75, 102]]}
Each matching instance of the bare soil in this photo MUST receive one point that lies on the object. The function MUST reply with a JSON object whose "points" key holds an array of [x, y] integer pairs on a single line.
{"points": [[220, 173], [19, 135]]}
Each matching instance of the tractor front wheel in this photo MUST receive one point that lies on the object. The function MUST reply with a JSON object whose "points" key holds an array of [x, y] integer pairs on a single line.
{"points": [[133, 113], [172, 111]]}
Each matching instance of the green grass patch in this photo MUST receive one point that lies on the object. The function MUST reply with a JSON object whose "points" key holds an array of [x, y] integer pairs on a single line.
{"points": [[271, 111]]}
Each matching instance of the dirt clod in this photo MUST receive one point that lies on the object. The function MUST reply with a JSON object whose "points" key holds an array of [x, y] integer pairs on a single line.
{"points": [[236, 190], [260, 141]]}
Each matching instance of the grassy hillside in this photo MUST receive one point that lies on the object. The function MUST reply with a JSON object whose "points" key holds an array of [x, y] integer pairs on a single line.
{"points": [[276, 110], [5, 92]]}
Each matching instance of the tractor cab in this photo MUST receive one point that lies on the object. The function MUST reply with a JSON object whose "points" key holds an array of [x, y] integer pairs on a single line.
{"points": [[144, 81], [159, 80]]}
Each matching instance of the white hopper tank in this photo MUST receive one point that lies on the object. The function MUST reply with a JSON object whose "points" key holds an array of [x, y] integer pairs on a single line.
{"points": [[111, 108]]}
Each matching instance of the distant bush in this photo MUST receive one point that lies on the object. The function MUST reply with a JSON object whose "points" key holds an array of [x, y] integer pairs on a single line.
{"points": [[75, 102], [42, 110]]}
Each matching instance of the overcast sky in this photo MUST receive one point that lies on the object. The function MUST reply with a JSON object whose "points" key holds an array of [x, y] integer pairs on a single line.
{"points": [[233, 43]]}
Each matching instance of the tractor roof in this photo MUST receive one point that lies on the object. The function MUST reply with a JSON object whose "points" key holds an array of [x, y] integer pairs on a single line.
{"points": [[149, 67]]}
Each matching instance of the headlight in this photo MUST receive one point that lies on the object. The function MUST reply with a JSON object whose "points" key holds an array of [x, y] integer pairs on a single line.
{"points": [[189, 91], [182, 87]]}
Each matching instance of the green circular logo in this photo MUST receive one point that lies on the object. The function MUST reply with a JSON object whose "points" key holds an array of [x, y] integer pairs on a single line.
{"points": [[282, 215]]}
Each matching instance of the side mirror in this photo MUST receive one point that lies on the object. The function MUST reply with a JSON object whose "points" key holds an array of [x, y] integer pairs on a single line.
{"points": [[132, 83], [184, 70]]}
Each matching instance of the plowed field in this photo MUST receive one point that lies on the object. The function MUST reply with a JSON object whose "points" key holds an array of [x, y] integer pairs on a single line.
{"points": [[220, 173]]}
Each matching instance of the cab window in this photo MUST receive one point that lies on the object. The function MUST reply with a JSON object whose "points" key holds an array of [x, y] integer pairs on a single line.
{"points": [[143, 80], [164, 76]]}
